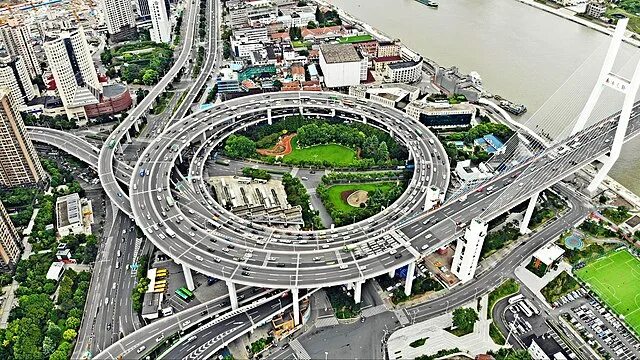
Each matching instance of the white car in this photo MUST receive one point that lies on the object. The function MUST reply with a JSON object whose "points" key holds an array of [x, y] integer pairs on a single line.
{"points": [[187, 322], [192, 234], [199, 258], [161, 236]]}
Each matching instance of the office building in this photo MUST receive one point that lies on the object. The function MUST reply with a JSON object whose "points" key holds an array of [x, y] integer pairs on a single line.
{"points": [[227, 81], [120, 19], [17, 41], [161, 26], [468, 248], [73, 70], [441, 114], [452, 81], [342, 65], [20, 164], [9, 242], [14, 76]]}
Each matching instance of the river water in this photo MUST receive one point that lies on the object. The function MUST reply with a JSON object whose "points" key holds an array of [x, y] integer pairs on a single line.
{"points": [[522, 53]]}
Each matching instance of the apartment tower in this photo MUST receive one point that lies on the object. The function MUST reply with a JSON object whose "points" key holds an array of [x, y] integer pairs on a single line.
{"points": [[20, 164], [9, 242], [17, 41], [73, 70]]}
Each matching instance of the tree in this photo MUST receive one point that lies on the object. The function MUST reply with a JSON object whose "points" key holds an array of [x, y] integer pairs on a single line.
{"points": [[295, 33], [238, 146], [511, 354], [150, 76], [72, 322], [48, 346], [319, 15], [311, 25], [277, 84], [69, 334], [370, 146], [383, 152], [464, 318], [106, 57]]}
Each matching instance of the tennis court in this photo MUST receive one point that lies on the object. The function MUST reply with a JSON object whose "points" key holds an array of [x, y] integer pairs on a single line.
{"points": [[616, 279]]}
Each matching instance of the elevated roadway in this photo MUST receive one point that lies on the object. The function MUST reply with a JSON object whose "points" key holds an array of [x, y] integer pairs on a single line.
{"points": [[216, 243]]}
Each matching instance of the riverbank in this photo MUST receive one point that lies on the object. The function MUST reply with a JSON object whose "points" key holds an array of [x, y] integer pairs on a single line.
{"points": [[568, 14]]}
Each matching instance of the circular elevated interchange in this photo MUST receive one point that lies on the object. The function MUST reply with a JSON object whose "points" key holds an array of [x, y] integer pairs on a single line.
{"points": [[199, 233]]}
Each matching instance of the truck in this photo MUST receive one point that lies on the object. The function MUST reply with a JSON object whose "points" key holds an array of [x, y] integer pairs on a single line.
{"points": [[169, 200], [170, 232]]}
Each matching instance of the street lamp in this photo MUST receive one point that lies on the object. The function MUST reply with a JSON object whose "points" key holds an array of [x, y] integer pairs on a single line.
{"points": [[326, 355]]}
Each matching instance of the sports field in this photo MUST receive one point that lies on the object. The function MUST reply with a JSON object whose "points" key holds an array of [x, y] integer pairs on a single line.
{"points": [[616, 279]]}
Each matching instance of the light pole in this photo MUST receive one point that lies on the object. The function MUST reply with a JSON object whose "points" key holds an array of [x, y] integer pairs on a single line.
{"points": [[326, 355]]}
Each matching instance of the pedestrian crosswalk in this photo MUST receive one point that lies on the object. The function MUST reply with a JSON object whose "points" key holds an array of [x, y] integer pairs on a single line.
{"points": [[326, 321], [301, 353], [402, 317], [374, 310]]}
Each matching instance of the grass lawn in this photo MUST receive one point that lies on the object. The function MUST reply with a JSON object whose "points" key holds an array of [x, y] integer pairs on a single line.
{"points": [[634, 20], [335, 154], [355, 39], [616, 279], [335, 192]]}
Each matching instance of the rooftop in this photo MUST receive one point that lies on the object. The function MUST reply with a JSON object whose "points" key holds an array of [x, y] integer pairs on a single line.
{"points": [[355, 39], [68, 210], [403, 64], [339, 53], [549, 253]]}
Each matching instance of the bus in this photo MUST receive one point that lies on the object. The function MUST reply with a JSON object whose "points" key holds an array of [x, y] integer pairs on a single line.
{"points": [[169, 200], [174, 147], [160, 283], [187, 292], [112, 144], [159, 289], [170, 232], [418, 132], [525, 309], [532, 307], [515, 299], [182, 295], [161, 273]]}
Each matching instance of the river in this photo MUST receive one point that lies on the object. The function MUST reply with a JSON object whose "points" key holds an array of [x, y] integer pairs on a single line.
{"points": [[521, 53]]}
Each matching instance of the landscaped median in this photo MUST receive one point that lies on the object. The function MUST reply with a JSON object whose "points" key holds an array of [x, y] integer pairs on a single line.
{"points": [[506, 289]]}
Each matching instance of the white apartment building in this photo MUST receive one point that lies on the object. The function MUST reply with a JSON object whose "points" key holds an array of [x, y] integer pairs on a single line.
{"points": [[9, 242], [468, 248], [73, 70], [69, 215], [20, 164], [14, 76], [161, 25], [247, 35], [403, 72], [296, 19], [17, 41], [119, 17], [342, 65]]}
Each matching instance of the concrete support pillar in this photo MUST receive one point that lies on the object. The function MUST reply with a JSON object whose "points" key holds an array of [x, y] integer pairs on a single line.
{"points": [[128, 136], [333, 112], [392, 273], [364, 119], [410, 155], [136, 125], [269, 118], [408, 282], [233, 295], [180, 157], [524, 225], [357, 292], [465, 259], [301, 109], [296, 307], [349, 286], [188, 277], [204, 137]]}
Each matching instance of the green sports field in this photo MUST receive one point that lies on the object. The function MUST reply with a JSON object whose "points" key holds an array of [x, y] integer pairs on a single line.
{"points": [[334, 154], [616, 279]]}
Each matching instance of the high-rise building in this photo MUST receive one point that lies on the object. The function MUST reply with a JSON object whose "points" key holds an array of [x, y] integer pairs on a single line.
{"points": [[73, 70], [468, 248], [161, 26], [17, 41], [20, 164], [9, 242], [120, 19], [15, 77], [143, 9]]}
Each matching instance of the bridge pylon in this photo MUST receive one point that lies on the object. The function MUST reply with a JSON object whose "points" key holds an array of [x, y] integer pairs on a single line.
{"points": [[627, 87]]}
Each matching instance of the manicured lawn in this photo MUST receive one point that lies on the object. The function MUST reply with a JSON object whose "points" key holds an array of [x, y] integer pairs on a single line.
{"points": [[335, 154], [355, 38], [616, 279], [335, 193]]}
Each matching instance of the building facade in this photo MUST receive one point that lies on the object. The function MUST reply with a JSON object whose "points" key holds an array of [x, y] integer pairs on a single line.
{"points": [[17, 41], [441, 115], [20, 164], [161, 26], [595, 9], [72, 68], [14, 76], [342, 65], [120, 19], [403, 72], [9, 242]]}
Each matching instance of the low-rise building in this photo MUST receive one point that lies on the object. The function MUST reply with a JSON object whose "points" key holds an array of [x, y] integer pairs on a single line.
{"points": [[545, 347], [379, 63], [342, 65], [227, 81], [595, 8], [441, 114], [468, 173], [489, 143], [403, 72], [388, 48], [55, 271], [73, 216], [545, 257], [453, 81], [297, 72]]}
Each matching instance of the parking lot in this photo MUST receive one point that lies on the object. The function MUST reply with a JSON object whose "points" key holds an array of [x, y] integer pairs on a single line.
{"points": [[600, 328]]}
